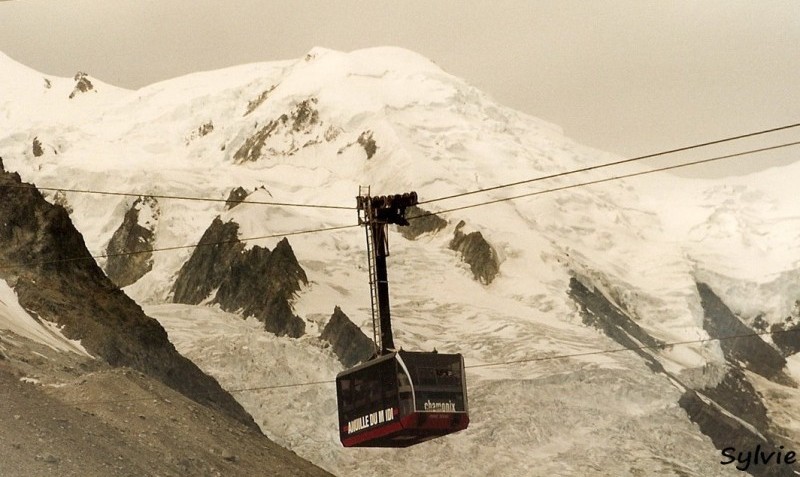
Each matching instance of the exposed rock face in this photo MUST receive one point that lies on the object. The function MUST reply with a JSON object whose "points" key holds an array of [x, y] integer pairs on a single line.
{"points": [[737, 395], [366, 140], [258, 282], [476, 252], [46, 262], [598, 312], [251, 149], [203, 130], [425, 223], [208, 265], [368, 143], [304, 115], [235, 197], [727, 431], [262, 284], [332, 133], [60, 199], [348, 342], [36, 147], [720, 322], [82, 84], [255, 103], [731, 413], [291, 132], [129, 248], [786, 335]]}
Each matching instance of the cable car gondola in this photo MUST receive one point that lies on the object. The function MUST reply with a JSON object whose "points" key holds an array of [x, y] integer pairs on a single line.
{"points": [[402, 398], [398, 398]]}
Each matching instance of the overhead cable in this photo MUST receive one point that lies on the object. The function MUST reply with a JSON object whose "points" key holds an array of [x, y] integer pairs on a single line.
{"points": [[177, 197], [608, 179], [180, 247], [426, 214], [615, 163], [267, 387]]}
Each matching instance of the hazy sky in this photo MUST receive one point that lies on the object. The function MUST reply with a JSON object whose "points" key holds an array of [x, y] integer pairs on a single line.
{"points": [[627, 76]]}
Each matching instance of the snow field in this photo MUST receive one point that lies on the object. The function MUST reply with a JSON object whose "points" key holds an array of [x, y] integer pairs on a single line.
{"points": [[17, 320]]}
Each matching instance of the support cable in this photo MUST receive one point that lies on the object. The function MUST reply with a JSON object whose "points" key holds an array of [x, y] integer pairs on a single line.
{"points": [[607, 179], [176, 197], [615, 163], [534, 359]]}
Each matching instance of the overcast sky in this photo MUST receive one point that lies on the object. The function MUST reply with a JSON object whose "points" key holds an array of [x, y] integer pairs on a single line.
{"points": [[626, 76]]}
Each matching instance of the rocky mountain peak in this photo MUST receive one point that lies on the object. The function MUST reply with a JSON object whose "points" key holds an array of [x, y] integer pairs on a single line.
{"points": [[348, 342], [82, 84], [256, 282], [235, 197], [477, 252], [129, 255], [54, 276]]}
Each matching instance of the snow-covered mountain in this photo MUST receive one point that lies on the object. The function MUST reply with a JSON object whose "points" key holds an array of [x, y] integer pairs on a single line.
{"points": [[648, 261]]}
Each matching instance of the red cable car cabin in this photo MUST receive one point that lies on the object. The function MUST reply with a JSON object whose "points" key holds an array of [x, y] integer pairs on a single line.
{"points": [[402, 398]]}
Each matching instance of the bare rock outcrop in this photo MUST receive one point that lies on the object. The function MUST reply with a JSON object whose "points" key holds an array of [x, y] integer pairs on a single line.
{"points": [[129, 250], [367, 141], [256, 282], [46, 262], [749, 349], [36, 147], [285, 135], [348, 342], [420, 222], [82, 84], [235, 197], [81, 417], [477, 253], [731, 412]]}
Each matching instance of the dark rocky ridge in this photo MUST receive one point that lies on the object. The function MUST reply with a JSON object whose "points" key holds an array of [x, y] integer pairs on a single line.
{"points": [[420, 222], [725, 431], [786, 335], [256, 282], [46, 261], [598, 312], [737, 395], [301, 120], [208, 265], [348, 342], [236, 196], [720, 322], [129, 255], [36, 147], [82, 84], [255, 103], [262, 284], [477, 253], [733, 395], [204, 129], [367, 141], [60, 199]]}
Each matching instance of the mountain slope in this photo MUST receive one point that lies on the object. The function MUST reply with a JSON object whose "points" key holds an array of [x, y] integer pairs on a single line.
{"points": [[66, 414], [53, 275], [99, 420], [578, 272]]}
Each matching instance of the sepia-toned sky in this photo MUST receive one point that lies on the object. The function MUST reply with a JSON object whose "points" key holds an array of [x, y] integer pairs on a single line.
{"points": [[627, 76]]}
